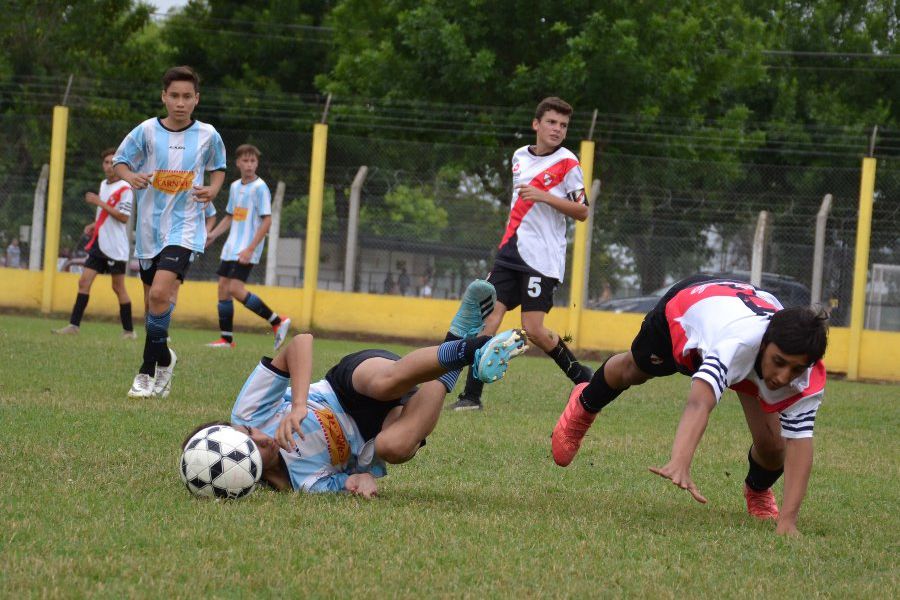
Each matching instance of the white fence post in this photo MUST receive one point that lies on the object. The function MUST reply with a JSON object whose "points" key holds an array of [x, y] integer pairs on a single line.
{"points": [[352, 226], [759, 247], [274, 232], [36, 245], [819, 251]]}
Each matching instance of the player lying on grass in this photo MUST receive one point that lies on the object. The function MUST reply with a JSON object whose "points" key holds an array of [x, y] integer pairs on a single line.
{"points": [[336, 434], [724, 334]]}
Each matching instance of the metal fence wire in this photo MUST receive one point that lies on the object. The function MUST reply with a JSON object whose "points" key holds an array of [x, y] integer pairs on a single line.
{"points": [[429, 220]]}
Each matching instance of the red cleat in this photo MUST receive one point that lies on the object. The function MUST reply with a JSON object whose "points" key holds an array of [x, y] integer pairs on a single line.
{"points": [[761, 505], [221, 343], [573, 423]]}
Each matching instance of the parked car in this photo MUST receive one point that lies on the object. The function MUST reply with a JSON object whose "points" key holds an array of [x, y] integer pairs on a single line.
{"points": [[788, 290]]}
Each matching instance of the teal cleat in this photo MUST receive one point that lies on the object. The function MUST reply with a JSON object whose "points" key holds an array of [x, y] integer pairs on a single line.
{"points": [[492, 359], [477, 303]]}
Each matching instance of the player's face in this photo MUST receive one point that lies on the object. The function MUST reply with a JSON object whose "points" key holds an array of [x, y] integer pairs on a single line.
{"points": [[247, 165], [268, 448], [108, 166], [551, 129], [780, 368], [180, 99]]}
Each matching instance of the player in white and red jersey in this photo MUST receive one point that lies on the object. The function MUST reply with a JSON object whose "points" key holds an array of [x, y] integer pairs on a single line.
{"points": [[723, 334], [107, 248], [548, 186], [165, 161]]}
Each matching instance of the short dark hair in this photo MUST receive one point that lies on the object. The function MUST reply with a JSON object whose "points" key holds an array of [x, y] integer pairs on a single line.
{"points": [[247, 149], [552, 103], [799, 330], [200, 428], [182, 73], [108, 151]]}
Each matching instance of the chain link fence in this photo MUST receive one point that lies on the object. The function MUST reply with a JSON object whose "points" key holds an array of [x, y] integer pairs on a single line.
{"points": [[432, 213]]}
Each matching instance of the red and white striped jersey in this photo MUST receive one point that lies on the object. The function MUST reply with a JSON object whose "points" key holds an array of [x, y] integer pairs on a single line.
{"points": [[535, 236], [111, 234], [717, 329]]}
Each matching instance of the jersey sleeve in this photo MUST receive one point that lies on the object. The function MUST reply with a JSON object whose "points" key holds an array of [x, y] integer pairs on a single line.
{"points": [[798, 419], [263, 201], [131, 150], [262, 395], [126, 202], [209, 210], [327, 483], [724, 364], [216, 159], [574, 185], [232, 198]]}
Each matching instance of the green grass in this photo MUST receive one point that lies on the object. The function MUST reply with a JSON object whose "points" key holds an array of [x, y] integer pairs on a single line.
{"points": [[92, 504]]}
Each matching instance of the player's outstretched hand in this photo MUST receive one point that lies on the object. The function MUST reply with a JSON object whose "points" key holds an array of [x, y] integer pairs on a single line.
{"points": [[290, 424], [362, 484], [787, 528], [91, 198], [139, 181], [681, 477]]}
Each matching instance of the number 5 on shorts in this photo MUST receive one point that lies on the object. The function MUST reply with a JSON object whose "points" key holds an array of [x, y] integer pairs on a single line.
{"points": [[534, 287]]}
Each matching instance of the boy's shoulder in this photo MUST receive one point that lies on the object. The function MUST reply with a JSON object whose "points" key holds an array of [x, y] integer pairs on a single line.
{"points": [[561, 153]]}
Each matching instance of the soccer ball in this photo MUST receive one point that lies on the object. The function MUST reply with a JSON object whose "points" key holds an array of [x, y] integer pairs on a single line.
{"points": [[220, 462]]}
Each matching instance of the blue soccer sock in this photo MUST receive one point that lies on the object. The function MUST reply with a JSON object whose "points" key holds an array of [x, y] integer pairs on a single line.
{"points": [[156, 350], [226, 319]]}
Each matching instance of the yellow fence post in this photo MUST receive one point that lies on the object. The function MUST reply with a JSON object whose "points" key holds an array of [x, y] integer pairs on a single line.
{"points": [[580, 251], [314, 224], [54, 203], [861, 265]]}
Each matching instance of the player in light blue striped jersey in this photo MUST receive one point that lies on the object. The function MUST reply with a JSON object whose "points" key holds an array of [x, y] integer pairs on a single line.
{"points": [[336, 435], [247, 219], [165, 160]]}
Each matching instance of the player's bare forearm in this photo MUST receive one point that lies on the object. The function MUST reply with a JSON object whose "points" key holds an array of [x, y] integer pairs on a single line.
{"points": [[216, 179], [296, 359], [210, 223], [798, 462], [137, 181], [219, 229], [264, 225], [579, 212], [694, 419]]}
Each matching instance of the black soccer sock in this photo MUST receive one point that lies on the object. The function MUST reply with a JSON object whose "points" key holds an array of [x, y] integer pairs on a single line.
{"points": [[568, 363], [81, 301], [474, 386], [148, 367], [226, 320], [255, 303], [758, 478], [125, 316], [598, 393], [158, 332]]}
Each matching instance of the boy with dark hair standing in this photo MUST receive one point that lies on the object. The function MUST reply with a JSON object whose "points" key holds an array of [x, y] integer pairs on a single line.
{"points": [[548, 186], [724, 334], [108, 247], [164, 160], [248, 218]]}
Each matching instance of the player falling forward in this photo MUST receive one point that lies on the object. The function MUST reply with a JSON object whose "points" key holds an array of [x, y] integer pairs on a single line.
{"points": [[107, 248], [248, 218], [164, 160], [724, 334], [548, 186], [336, 434]]}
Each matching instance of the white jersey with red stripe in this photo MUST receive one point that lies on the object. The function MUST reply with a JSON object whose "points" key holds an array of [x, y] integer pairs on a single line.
{"points": [[535, 236], [110, 233], [717, 329]]}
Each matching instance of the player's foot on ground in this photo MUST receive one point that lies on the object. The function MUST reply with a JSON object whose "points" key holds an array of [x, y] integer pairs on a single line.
{"points": [[129, 335], [573, 423], [477, 303], [281, 331], [67, 330], [142, 387], [162, 384], [465, 403], [492, 359], [761, 505], [221, 343]]}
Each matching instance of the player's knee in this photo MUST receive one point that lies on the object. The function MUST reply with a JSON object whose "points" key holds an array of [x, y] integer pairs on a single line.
{"points": [[771, 451], [158, 296], [396, 449], [235, 287]]}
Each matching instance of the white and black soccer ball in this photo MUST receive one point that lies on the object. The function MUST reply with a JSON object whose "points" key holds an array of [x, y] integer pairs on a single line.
{"points": [[220, 462]]}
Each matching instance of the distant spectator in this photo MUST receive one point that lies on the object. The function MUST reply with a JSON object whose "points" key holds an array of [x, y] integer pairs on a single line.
{"points": [[390, 286], [14, 254], [425, 290], [403, 281]]}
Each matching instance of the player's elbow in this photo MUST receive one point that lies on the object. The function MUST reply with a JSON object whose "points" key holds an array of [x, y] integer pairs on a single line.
{"points": [[582, 213]]}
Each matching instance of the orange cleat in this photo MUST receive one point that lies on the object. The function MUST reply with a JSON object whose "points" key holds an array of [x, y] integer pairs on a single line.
{"points": [[761, 505], [221, 343], [573, 423]]}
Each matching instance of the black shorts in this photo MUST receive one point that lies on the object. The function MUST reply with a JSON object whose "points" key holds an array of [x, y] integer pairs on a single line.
{"points": [[177, 259], [103, 264], [652, 347], [232, 269], [528, 288], [368, 413]]}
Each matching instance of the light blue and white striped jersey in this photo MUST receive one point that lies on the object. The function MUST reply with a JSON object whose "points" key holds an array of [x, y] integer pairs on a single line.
{"points": [[166, 214], [332, 448], [247, 205]]}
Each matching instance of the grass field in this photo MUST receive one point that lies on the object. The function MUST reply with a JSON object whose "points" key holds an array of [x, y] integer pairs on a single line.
{"points": [[92, 504]]}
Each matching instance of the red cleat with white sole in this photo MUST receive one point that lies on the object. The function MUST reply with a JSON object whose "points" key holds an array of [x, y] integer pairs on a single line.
{"points": [[761, 505], [573, 423]]}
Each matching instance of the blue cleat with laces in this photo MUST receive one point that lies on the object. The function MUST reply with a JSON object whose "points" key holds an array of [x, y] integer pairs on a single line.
{"points": [[492, 359], [477, 303]]}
